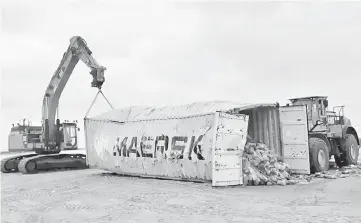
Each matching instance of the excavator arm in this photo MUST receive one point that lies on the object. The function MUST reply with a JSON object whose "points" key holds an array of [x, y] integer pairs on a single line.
{"points": [[77, 50]]}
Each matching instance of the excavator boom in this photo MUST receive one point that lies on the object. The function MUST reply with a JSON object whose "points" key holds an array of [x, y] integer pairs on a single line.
{"points": [[77, 50]]}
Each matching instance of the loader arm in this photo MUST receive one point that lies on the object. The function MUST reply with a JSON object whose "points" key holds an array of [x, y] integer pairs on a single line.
{"points": [[77, 50]]}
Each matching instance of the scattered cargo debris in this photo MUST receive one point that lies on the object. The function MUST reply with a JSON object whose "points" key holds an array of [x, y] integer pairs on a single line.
{"points": [[343, 172], [333, 173]]}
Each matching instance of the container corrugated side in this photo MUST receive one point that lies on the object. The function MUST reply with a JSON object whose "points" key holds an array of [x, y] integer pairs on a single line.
{"points": [[126, 148], [264, 125]]}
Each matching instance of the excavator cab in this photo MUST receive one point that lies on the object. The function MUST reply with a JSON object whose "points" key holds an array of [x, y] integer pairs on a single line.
{"points": [[69, 132]]}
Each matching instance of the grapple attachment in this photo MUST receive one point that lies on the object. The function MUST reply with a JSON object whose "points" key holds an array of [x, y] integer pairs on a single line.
{"points": [[98, 76]]}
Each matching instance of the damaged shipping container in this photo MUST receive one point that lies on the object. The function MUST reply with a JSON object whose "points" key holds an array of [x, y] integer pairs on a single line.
{"points": [[200, 141]]}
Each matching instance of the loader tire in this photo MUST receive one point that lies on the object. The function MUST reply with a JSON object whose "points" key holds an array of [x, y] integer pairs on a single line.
{"points": [[350, 152], [319, 155]]}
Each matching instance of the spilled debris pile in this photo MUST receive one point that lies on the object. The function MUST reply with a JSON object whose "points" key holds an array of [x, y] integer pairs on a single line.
{"points": [[262, 167]]}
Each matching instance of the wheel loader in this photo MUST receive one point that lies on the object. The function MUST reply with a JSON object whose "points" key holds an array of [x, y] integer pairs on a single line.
{"points": [[330, 133]]}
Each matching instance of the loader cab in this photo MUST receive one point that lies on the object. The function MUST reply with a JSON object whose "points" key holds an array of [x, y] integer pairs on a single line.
{"points": [[316, 111], [70, 136]]}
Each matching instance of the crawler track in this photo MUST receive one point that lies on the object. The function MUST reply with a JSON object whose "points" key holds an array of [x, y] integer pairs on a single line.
{"points": [[10, 164], [33, 165]]}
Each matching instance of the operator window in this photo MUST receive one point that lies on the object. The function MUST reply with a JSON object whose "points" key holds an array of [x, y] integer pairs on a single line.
{"points": [[320, 107]]}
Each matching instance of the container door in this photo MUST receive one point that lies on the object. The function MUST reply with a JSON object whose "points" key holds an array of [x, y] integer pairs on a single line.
{"points": [[294, 135], [228, 144]]}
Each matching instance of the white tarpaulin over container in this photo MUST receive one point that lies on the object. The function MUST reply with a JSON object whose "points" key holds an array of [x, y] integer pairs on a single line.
{"points": [[176, 111]]}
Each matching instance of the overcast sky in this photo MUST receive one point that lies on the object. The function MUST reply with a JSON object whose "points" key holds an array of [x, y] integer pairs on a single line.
{"points": [[173, 53]]}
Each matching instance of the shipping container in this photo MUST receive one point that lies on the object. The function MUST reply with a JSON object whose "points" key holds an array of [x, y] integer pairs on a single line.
{"points": [[200, 141]]}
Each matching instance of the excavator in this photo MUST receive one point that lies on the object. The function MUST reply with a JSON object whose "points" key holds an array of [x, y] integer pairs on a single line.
{"points": [[56, 136]]}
